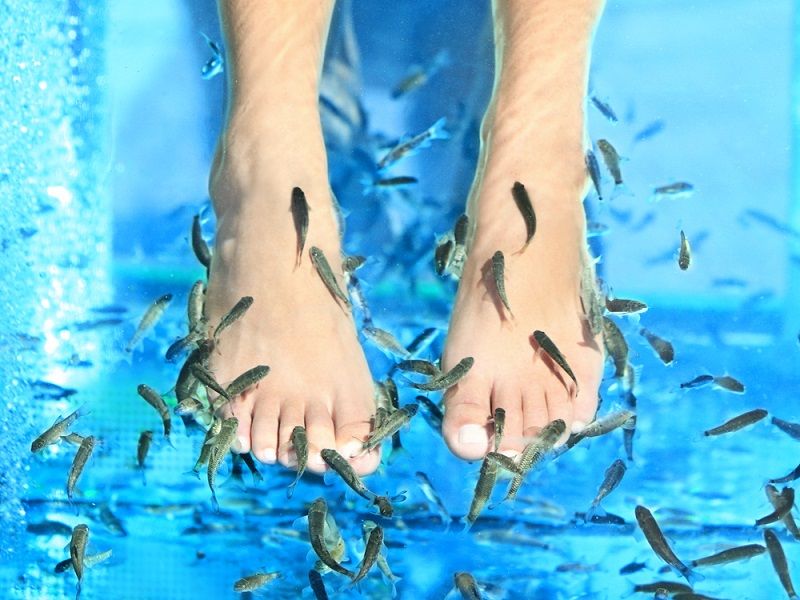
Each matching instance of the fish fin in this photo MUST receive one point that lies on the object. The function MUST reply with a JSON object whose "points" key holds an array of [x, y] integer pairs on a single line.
{"points": [[399, 497], [693, 577], [621, 190], [78, 590], [438, 132], [467, 524], [301, 524], [214, 501], [594, 510]]}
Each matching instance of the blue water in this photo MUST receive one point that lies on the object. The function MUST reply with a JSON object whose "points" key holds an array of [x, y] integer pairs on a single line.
{"points": [[123, 129]]}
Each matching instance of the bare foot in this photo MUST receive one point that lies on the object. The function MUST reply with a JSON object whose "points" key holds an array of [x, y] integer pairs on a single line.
{"points": [[319, 377]]}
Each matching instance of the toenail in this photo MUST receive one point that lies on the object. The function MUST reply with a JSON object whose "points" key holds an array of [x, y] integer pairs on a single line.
{"points": [[578, 426], [473, 434], [351, 449], [239, 444], [509, 453], [316, 460], [267, 456]]}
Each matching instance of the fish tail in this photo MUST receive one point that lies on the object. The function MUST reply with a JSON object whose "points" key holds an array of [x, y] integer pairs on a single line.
{"points": [[214, 501], [438, 132], [78, 590], [693, 577], [467, 523], [595, 510]]}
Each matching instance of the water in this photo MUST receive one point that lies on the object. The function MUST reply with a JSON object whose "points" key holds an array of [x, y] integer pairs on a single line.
{"points": [[722, 96]]}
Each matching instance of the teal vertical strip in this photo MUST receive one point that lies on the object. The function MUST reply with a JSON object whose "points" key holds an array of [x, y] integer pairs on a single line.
{"points": [[792, 317]]}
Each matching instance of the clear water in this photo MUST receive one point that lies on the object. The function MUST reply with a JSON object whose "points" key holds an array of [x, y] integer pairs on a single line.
{"points": [[123, 127]]}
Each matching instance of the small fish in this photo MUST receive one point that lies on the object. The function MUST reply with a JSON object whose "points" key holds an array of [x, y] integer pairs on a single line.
{"points": [[546, 344], [56, 431], [791, 476], [726, 382], [433, 497], [533, 452], [793, 429], [459, 253], [154, 399], [417, 365], [316, 533], [324, 269], [633, 567], [611, 480], [213, 65], [591, 298], [111, 522], [179, 347], [219, 449], [339, 464], [678, 189], [233, 315], [661, 346], [433, 414], [143, 447], [77, 552], [250, 463], [685, 253], [596, 229], [199, 246], [778, 559], [300, 445], [504, 462], [698, 381], [670, 587], [730, 555], [385, 341], [611, 159], [783, 504], [396, 181], [442, 255], [189, 406], [616, 346], [621, 306], [523, 202], [738, 422], [391, 424], [777, 501], [498, 273], [186, 382], [247, 379], [448, 379], [205, 377], [649, 130], [317, 585], [208, 444], [607, 424], [658, 543], [299, 210], [467, 586], [78, 463], [483, 491], [151, 316], [594, 172], [421, 140], [420, 76], [371, 552], [604, 109], [194, 307], [461, 230], [499, 426], [254, 582]]}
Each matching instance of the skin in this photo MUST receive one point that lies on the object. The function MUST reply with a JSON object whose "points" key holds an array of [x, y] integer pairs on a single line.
{"points": [[533, 132]]}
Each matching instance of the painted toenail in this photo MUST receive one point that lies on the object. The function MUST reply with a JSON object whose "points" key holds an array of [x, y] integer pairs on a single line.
{"points": [[578, 426], [267, 456], [473, 434], [351, 449]]}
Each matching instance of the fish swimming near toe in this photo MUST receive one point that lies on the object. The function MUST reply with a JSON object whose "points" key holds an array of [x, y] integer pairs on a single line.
{"points": [[448, 379], [299, 210], [498, 273], [199, 246], [385, 341], [339, 464], [421, 140], [418, 365], [220, 445], [546, 344], [658, 543], [204, 376], [594, 173], [605, 109], [523, 202], [151, 316], [622, 306], [779, 563], [194, 307], [533, 453], [662, 347], [371, 553], [685, 253], [499, 421], [154, 399], [442, 255], [392, 423], [317, 514], [738, 422], [326, 274], [247, 379], [611, 159], [483, 490], [234, 314], [616, 346], [300, 445]]}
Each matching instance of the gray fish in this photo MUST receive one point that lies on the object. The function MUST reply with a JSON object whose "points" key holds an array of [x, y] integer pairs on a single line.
{"points": [[499, 426], [78, 463], [254, 582], [736, 423], [391, 424], [421, 140], [151, 316], [605, 109], [339, 464], [143, 447], [662, 347], [483, 491], [180, 346], [726, 382], [611, 480], [422, 340], [460, 230], [77, 552], [299, 210], [791, 476], [421, 75], [189, 406], [433, 414], [658, 543], [698, 381], [671, 587], [533, 452], [371, 553], [249, 461], [221, 444], [154, 399], [649, 130], [523, 202], [208, 444], [366, 527], [459, 253], [448, 379], [247, 379], [195, 306], [616, 346], [591, 298], [186, 382], [316, 534], [433, 497], [441, 256], [783, 505], [467, 586], [622, 306], [418, 365], [776, 500], [498, 273], [674, 190], [793, 429], [611, 159], [504, 462], [546, 344], [201, 249], [300, 445], [205, 377], [778, 559], [395, 181], [685, 253], [385, 341], [214, 65], [56, 431], [730, 555], [233, 315], [594, 172], [111, 522], [317, 585], [326, 274], [607, 424], [73, 438]]}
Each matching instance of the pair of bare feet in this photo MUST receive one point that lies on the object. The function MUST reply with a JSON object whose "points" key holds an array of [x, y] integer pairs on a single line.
{"points": [[533, 132]]}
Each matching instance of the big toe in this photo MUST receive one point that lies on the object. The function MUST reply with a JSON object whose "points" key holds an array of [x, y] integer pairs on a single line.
{"points": [[465, 428]]}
